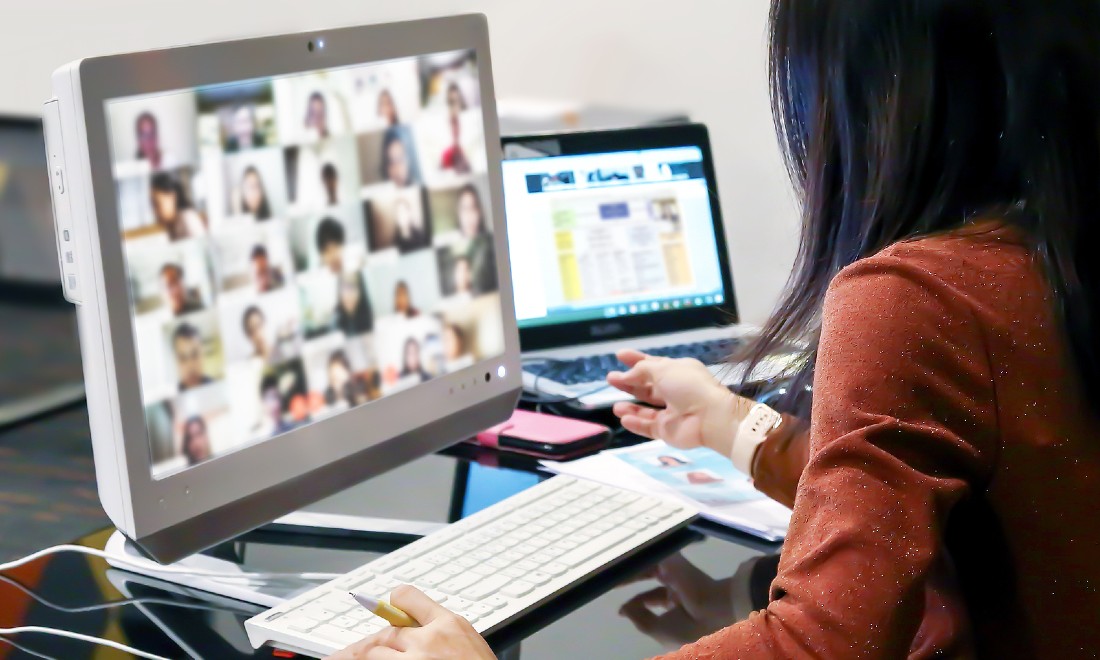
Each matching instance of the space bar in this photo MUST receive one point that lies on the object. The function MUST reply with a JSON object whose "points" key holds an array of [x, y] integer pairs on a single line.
{"points": [[587, 551]]}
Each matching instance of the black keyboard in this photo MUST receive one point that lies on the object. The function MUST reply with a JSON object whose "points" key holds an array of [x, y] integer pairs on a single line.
{"points": [[594, 368]]}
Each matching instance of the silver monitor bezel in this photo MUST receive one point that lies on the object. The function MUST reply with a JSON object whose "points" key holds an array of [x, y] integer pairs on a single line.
{"points": [[169, 508]]}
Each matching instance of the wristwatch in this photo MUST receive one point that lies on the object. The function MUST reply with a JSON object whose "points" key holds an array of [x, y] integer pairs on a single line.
{"points": [[752, 432]]}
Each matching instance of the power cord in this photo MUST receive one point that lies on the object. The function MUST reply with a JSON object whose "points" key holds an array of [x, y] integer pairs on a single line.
{"points": [[122, 602], [24, 649], [18, 630], [167, 570]]}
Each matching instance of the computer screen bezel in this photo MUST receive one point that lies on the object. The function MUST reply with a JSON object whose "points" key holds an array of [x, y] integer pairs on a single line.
{"points": [[557, 335], [191, 509]]}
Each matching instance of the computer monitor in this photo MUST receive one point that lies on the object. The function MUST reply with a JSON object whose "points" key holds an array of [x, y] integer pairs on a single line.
{"points": [[621, 232], [289, 264]]}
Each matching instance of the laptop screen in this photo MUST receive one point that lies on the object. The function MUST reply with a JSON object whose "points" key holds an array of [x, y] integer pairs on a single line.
{"points": [[608, 235]]}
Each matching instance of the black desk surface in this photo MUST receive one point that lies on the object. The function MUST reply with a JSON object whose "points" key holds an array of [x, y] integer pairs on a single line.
{"points": [[81, 594]]}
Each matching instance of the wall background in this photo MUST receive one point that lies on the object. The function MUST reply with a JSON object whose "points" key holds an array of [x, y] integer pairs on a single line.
{"points": [[705, 57]]}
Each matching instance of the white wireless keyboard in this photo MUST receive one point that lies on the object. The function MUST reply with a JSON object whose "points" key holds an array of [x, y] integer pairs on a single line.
{"points": [[489, 568]]}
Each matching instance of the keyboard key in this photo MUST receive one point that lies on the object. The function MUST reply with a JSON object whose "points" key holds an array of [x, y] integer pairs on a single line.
{"points": [[538, 577], [410, 571], [457, 604], [480, 609], [299, 623], [541, 558], [483, 569], [514, 573], [517, 589], [498, 563], [367, 629], [466, 562], [527, 565], [372, 589], [595, 547], [496, 602], [345, 622], [433, 579], [338, 635], [437, 596], [457, 584], [485, 588], [314, 611], [468, 615], [555, 568]]}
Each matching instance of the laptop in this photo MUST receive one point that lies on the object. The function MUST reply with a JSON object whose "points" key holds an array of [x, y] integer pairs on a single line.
{"points": [[616, 241]]}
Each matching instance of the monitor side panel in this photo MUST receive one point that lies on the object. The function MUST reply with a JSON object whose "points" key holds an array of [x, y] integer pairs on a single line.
{"points": [[74, 211]]}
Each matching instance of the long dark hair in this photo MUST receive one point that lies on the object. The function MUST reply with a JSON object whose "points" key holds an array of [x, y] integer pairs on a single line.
{"points": [[904, 118], [264, 210]]}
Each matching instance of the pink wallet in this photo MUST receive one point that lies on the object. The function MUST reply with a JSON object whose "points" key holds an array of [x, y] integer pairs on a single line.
{"points": [[539, 434]]}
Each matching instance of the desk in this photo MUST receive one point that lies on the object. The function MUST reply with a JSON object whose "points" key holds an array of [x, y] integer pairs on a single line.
{"points": [[584, 623]]}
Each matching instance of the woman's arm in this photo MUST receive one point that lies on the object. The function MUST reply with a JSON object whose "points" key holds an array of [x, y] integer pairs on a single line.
{"points": [[904, 426]]}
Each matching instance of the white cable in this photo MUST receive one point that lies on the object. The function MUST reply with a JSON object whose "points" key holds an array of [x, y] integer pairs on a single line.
{"points": [[84, 638], [169, 570]]}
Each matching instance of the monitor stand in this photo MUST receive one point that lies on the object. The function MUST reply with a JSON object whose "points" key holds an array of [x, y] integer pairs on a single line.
{"points": [[303, 528]]}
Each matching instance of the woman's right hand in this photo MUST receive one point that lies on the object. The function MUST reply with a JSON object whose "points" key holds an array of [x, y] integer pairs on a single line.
{"points": [[684, 404]]}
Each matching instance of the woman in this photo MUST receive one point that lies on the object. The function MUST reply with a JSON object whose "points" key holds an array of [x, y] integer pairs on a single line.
{"points": [[402, 301], [479, 242], [316, 121], [453, 157], [947, 155], [411, 234], [172, 210], [399, 163], [254, 195], [387, 108], [196, 441], [353, 312], [412, 364]]}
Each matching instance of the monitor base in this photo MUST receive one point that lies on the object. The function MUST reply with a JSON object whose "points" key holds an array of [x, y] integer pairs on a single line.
{"points": [[301, 528]]}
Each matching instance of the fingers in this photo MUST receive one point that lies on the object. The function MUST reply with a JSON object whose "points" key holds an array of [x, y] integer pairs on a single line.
{"points": [[641, 616], [640, 426], [640, 381], [658, 598], [388, 640], [631, 357], [382, 653], [416, 604]]}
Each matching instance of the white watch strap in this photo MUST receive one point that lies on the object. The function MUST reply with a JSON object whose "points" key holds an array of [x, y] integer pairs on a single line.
{"points": [[751, 434]]}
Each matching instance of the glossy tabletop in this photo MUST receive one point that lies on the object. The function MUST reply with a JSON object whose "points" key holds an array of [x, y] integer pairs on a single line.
{"points": [[671, 593]]}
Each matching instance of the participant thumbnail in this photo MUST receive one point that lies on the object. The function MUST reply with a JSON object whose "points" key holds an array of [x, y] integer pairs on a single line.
{"points": [[266, 327], [385, 94], [171, 279], [447, 77], [255, 257], [334, 240], [312, 107], [410, 351], [268, 399], [322, 175], [390, 156], [255, 185], [163, 202], [396, 218], [450, 146], [153, 133], [238, 116], [472, 331], [191, 429], [341, 374], [195, 344], [405, 286]]}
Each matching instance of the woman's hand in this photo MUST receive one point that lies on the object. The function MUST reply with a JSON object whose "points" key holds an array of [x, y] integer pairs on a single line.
{"points": [[686, 406], [442, 635]]}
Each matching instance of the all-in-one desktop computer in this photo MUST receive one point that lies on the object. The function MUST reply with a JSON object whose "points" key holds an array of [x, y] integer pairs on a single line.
{"points": [[289, 263]]}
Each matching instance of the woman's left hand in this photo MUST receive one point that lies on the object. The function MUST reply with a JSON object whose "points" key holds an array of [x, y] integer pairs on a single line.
{"points": [[442, 635]]}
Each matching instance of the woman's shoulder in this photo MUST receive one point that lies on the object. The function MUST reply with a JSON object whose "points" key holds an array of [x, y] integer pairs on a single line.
{"points": [[972, 257]]}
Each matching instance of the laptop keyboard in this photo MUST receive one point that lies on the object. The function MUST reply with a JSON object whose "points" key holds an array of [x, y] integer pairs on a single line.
{"points": [[594, 368]]}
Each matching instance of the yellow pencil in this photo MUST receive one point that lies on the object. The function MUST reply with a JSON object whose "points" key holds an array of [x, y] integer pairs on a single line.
{"points": [[396, 617]]}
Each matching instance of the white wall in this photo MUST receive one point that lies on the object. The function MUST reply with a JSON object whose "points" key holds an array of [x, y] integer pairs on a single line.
{"points": [[706, 57]]}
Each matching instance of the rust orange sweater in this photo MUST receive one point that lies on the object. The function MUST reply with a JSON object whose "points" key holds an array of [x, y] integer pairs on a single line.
{"points": [[950, 478]]}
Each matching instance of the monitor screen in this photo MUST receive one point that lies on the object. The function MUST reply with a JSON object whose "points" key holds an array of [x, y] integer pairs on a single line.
{"points": [[300, 245], [606, 235]]}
